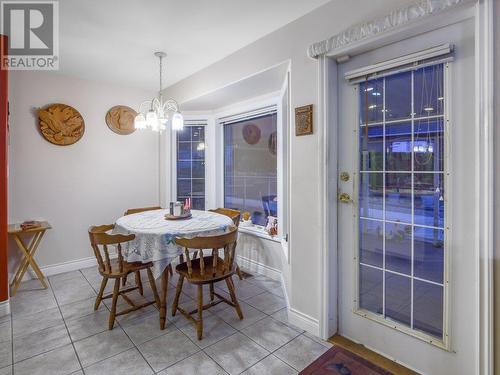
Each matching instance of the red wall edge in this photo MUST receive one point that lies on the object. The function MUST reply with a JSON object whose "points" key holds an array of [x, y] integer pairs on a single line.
{"points": [[4, 278]]}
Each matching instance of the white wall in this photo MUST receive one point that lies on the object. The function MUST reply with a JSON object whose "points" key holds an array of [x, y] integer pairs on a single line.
{"points": [[90, 182], [291, 42]]}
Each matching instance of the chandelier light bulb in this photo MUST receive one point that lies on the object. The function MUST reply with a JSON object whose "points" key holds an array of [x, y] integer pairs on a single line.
{"points": [[177, 121], [140, 122]]}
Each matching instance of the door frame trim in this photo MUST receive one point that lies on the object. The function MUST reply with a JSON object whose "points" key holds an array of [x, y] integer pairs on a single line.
{"points": [[483, 12]]}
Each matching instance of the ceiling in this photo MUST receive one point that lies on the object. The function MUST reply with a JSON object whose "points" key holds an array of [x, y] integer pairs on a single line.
{"points": [[114, 41], [262, 83]]}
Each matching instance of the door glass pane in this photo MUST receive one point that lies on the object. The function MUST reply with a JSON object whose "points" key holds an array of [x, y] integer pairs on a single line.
{"points": [[398, 197], [371, 200], [428, 145], [398, 247], [398, 298], [398, 96], [428, 308], [429, 254], [398, 146], [370, 289], [429, 91], [402, 198], [429, 199], [370, 242], [371, 142], [371, 101]]}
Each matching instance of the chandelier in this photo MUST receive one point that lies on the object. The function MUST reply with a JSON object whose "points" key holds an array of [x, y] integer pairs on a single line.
{"points": [[154, 114]]}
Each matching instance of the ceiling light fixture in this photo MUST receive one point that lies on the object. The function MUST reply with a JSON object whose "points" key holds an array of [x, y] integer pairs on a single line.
{"points": [[153, 114]]}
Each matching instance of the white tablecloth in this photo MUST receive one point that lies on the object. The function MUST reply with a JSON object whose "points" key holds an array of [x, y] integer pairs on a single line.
{"points": [[154, 235]]}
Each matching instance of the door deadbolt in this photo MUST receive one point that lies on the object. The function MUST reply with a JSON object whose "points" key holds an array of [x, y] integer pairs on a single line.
{"points": [[344, 176]]}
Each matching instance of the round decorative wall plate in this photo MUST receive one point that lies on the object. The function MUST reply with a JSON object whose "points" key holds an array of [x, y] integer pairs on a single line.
{"points": [[251, 134], [120, 119], [61, 124]]}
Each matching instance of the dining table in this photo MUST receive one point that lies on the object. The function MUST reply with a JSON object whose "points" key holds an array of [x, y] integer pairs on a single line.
{"points": [[155, 240]]}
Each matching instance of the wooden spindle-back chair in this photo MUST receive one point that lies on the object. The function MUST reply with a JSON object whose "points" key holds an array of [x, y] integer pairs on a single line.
{"points": [[235, 216], [117, 269], [201, 270]]}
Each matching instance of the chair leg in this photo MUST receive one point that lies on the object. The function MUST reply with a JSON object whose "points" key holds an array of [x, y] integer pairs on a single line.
{"points": [[138, 282], [177, 295], [163, 298], [238, 272], [212, 292], [152, 283], [101, 292], [170, 271], [199, 323], [230, 287], [112, 315], [124, 280]]}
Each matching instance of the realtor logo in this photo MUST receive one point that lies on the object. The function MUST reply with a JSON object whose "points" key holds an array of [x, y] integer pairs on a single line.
{"points": [[32, 28]]}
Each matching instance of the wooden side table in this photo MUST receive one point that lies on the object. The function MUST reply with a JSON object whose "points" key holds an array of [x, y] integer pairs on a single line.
{"points": [[28, 252]]}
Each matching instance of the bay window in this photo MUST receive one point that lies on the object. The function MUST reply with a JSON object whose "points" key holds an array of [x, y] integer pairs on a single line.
{"points": [[250, 165]]}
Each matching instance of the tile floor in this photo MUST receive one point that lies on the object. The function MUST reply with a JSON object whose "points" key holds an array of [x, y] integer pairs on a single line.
{"points": [[56, 331]]}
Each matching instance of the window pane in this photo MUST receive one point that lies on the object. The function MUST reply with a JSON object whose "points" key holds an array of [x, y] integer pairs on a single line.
{"points": [[398, 197], [429, 91], [250, 167], [398, 298], [429, 199], [183, 169], [184, 151], [198, 133], [428, 308], [370, 242], [370, 195], [428, 146], [398, 147], [398, 248], [370, 289], [398, 96], [429, 254], [184, 134], [371, 143], [371, 101], [198, 169], [191, 165]]}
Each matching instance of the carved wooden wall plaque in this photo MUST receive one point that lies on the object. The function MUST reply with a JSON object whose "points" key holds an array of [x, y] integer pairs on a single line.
{"points": [[61, 124], [120, 119], [304, 120]]}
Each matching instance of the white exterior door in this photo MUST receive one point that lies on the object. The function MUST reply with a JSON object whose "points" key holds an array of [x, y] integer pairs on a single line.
{"points": [[406, 204]]}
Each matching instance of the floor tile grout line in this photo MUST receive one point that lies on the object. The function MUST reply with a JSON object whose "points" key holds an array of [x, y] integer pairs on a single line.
{"points": [[65, 325], [135, 346]]}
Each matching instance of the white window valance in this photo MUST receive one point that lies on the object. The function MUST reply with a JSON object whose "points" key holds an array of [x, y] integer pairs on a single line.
{"points": [[397, 18]]}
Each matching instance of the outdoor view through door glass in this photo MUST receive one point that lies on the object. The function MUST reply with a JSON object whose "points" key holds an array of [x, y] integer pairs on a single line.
{"points": [[402, 198]]}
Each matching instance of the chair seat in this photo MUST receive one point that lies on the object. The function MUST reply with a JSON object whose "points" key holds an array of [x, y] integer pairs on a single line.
{"points": [[127, 268], [209, 277]]}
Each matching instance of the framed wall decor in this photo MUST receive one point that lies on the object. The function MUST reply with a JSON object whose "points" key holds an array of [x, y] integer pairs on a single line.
{"points": [[304, 120], [61, 124], [120, 119]]}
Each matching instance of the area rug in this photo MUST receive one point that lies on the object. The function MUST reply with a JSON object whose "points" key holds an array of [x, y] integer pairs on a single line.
{"points": [[340, 361]]}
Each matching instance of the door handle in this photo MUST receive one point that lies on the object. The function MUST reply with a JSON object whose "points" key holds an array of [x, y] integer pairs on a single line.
{"points": [[345, 198]]}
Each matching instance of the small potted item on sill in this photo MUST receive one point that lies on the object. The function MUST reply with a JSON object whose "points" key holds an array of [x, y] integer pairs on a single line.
{"points": [[272, 226], [246, 219]]}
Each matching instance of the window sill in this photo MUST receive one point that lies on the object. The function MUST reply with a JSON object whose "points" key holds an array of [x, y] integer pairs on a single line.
{"points": [[258, 231]]}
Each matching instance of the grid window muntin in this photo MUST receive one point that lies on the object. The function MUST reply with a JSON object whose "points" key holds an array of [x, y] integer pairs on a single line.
{"points": [[440, 340], [190, 141]]}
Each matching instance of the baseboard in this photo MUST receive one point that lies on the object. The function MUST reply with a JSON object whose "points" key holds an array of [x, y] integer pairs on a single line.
{"points": [[4, 308], [303, 321], [254, 266], [285, 292], [63, 267]]}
